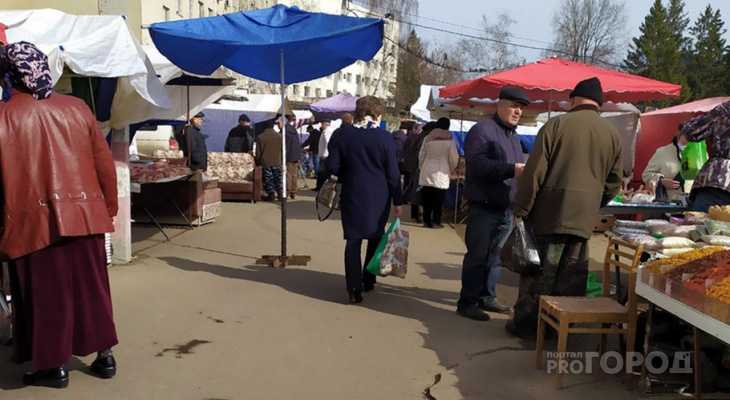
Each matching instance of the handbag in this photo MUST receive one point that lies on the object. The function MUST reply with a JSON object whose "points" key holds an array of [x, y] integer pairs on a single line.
{"points": [[328, 196]]}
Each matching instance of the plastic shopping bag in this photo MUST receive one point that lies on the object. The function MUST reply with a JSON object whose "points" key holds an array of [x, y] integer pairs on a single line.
{"points": [[694, 157], [391, 255], [6, 331], [520, 252], [593, 287]]}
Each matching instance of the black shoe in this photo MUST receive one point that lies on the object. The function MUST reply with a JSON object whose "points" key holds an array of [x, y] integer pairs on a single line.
{"points": [[512, 328], [419, 219], [368, 286], [493, 306], [292, 196], [427, 225], [53, 378], [355, 296], [104, 367], [269, 197], [473, 313]]}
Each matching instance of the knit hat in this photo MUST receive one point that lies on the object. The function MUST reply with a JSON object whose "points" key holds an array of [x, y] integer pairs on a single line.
{"points": [[244, 117], [590, 89], [443, 123]]}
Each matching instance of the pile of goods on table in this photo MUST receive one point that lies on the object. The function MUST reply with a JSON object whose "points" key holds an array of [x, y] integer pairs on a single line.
{"points": [[155, 171], [705, 270], [631, 196], [677, 235]]}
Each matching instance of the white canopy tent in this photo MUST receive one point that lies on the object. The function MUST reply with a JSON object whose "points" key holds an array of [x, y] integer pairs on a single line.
{"points": [[94, 46]]}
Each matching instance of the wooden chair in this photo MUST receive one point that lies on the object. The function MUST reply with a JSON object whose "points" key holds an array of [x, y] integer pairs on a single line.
{"points": [[612, 317]]}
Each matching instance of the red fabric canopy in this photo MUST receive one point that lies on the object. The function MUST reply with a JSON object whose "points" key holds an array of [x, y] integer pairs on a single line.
{"points": [[552, 79]]}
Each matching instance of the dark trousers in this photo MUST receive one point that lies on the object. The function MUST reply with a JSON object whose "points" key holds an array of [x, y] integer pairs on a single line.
{"points": [[355, 273], [486, 232], [564, 263], [321, 178], [709, 196], [433, 204]]}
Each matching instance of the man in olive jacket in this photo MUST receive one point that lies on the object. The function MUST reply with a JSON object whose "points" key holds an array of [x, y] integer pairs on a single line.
{"points": [[574, 169]]}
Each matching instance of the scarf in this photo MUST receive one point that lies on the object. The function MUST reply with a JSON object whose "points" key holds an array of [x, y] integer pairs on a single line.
{"points": [[27, 67], [367, 122]]}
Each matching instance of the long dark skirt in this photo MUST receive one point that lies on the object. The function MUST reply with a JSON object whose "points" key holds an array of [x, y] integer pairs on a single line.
{"points": [[61, 302]]}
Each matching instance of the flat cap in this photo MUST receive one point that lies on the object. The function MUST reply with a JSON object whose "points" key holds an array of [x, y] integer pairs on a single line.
{"points": [[199, 115], [514, 94]]}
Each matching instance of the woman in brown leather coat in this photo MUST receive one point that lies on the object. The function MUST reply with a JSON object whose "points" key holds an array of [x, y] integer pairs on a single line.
{"points": [[58, 196]]}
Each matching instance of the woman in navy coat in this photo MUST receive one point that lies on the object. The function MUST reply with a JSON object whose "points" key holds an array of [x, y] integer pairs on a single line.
{"points": [[362, 156]]}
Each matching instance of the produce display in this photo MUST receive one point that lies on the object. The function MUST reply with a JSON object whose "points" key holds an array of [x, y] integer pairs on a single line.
{"points": [[663, 265], [156, 171], [676, 236]]}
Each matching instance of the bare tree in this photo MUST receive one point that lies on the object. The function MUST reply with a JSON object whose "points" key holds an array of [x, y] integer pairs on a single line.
{"points": [[590, 31], [493, 52]]}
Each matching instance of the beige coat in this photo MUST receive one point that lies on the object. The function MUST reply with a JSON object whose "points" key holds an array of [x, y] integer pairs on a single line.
{"points": [[664, 164], [574, 168], [437, 158]]}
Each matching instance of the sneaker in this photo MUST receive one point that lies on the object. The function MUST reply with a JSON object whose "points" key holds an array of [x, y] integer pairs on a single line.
{"points": [[492, 305], [473, 313], [437, 226]]}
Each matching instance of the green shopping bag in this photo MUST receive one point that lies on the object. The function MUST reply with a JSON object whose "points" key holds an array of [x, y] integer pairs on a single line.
{"points": [[374, 264], [694, 157], [593, 287]]}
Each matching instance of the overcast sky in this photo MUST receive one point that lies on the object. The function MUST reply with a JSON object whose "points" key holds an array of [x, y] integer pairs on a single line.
{"points": [[533, 18]]}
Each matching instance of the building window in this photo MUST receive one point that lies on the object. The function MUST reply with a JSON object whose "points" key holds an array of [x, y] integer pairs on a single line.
{"points": [[306, 91], [165, 13], [178, 7], [318, 92], [366, 80], [329, 93], [201, 9], [349, 77], [357, 79], [295, 90], [210, 12], [392, 68]]}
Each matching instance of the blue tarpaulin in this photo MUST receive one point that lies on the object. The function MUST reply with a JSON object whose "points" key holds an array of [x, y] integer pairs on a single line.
{"points": [[250, 43]]}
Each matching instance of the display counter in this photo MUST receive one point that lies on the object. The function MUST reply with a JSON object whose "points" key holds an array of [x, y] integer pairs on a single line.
{"points": [[694, 307]]}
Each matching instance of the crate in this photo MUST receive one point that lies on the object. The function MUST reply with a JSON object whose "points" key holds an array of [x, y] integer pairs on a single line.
{"points": [[604, 223]]}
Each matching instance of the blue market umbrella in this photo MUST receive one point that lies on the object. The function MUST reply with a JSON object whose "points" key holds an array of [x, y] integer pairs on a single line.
{"points": [[277, 44]]}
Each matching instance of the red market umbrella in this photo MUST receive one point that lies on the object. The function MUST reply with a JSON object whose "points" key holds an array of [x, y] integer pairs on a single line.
{"points": [[552, 80]]}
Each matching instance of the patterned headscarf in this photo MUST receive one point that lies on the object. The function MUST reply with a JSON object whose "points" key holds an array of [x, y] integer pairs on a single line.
{"points": [[26, 66]]}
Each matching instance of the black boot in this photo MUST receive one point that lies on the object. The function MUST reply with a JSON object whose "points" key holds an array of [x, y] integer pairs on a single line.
{"points": [[104, 367], [53, 378], [355, 296]]}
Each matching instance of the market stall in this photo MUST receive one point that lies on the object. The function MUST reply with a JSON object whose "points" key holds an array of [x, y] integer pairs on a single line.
{"points": [[688, 274]]}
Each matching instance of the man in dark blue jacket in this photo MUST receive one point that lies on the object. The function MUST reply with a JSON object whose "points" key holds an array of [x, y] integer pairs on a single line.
{"points": [[494, 162]]}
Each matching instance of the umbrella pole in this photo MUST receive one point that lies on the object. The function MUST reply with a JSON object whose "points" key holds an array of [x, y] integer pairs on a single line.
{"points": [[283, 159], [283, 259]]}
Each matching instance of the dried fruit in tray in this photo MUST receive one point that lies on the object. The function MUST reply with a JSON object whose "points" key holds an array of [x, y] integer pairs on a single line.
{"points": [[720, 290], [720, 259], [663, 265], [720, 213], [699, 282]]}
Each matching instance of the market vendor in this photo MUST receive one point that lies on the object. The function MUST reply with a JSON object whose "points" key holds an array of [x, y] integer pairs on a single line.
{"points": [[193, 144], [662, 173], [712, 184]]}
